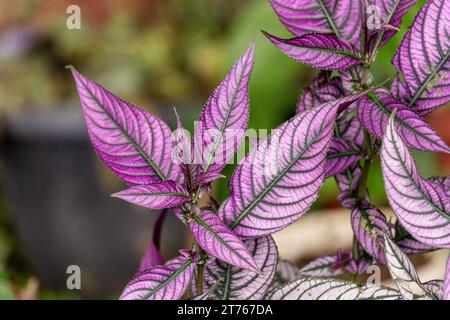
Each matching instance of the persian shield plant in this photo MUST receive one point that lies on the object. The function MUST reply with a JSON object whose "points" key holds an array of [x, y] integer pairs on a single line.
{"points": [[344, 121]]}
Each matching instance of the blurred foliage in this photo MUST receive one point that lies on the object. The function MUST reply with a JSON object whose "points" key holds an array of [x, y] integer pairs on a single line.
{"points": [[5, 249]]}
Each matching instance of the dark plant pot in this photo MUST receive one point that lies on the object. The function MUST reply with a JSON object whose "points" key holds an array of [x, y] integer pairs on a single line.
{"points": [[62, 212]]}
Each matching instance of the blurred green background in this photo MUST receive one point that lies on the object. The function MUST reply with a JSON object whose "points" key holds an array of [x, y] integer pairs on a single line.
{"points": [[156, 54]]}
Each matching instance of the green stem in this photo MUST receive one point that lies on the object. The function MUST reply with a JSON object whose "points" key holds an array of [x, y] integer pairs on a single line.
{"points": [[362, 186]]}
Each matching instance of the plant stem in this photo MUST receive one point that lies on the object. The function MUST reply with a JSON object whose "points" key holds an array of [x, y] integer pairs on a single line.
{"points": [[200, 277], [361, 191]]}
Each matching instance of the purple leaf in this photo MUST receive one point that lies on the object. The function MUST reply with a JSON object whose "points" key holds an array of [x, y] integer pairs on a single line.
{"points": [[398, 89], [421, 207], [341, 155], [443, 182], [369, 224], [319, 93], [208, 177], [391, 13], [447, 280], [400, 268], [242, 284], [162, 195], [219, 241], [379, 293], [286, 272], [320, 51], [152, 257], [344, 261], [321, 267], [435, 288], [358, 267], [208, 293], [349, 126], [184, 150], [408, 244], [279, 179], [310, 288], [324, 16], [134, 144], [168, 282], [224, 118], [374, 111], [348, 182], [422, 60]]}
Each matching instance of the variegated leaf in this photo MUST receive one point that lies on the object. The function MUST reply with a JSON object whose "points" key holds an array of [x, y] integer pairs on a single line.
{"points": [[349, 127], [341, 155], [219, 241], [422, 60], [379, 293], [224, 118], [168, 282], [134, 144], [242, 284], [321, 267], [443, 182], [390, 14], [162, 195], [320, 51], [408, 244], [374, 110], [421, 207], [321, 91], [434, 288], [310, 288], [368, 225], [400, 268], [324, 16], [279, 180], [184, 150], [286, 272]]}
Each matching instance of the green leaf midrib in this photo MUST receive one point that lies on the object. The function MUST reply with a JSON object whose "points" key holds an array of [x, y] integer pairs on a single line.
{"points": [[430, 77], [224, 124], [227, 284], [443, 213], [329, 19], [262, 194], [184, 195], [337, 51], [169, 279], [127, 136], [200, 221], [398, 120]]}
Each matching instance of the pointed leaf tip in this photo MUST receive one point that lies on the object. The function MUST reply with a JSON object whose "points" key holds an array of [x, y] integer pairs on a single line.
{"points": [[224, 118], [134, 144], [320, 51], [162, 195], [290, 162]]}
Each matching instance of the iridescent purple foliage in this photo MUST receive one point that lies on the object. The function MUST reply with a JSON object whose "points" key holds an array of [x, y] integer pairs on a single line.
{"points": [[344, 121]]}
